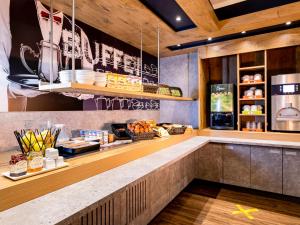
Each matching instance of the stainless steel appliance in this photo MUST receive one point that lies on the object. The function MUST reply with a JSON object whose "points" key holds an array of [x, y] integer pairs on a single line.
{"points": [[286, 102], [222, 107]]}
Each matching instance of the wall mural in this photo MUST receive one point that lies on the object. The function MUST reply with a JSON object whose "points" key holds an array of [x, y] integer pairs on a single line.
{"points": [[25, 60]]}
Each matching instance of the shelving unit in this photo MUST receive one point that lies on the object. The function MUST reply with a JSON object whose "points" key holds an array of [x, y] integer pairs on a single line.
{"points": [[250, 64], [252, 99], [252, 68], [252, 115], [95, 90], [252, 84]]}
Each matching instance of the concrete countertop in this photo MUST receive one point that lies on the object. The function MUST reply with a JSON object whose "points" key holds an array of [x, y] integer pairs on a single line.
{"points": [[61, 204]]}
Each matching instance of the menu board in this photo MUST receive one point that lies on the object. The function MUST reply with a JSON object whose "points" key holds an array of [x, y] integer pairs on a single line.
{"points": [[25, 59]]}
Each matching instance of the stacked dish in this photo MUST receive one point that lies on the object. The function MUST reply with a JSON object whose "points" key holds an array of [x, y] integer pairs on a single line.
{"points": [[100, 79], [65, 76], [85, 77]]}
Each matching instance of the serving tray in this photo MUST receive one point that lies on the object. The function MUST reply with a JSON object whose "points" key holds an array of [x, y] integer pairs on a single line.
{"points": [[7, 174]]}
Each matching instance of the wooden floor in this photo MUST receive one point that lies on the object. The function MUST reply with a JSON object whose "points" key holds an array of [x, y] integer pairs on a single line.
{"points": [[208, 203]]}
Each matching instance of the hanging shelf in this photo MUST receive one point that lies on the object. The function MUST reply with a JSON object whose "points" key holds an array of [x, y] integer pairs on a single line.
{"points": [[104, 91]]}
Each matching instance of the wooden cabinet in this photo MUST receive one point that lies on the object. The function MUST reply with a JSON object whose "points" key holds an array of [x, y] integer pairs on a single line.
{"points": [[236, 165], [159, 190], [266, 169], [291, 172], [105, 212], [209, 162]]}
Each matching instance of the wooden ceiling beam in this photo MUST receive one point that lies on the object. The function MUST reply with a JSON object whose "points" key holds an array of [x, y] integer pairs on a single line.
{"points": [[272, 40], [264, 18], [223, 3], [201, 13]]}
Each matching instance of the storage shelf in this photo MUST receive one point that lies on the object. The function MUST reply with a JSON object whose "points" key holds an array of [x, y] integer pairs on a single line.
{"points": [[252, 68], [252, 115], [252, 84], [95, 90], [252, 99]]}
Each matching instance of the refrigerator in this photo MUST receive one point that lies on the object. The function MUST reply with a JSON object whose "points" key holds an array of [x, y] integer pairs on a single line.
{"points": [[222, 104]]}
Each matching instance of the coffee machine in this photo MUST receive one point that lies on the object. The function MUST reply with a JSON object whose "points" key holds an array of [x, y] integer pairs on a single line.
{"points": [[222, 107], [286, 102]]}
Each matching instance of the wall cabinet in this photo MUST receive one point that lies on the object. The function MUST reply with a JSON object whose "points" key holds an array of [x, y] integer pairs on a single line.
{"points": [[209, 163], [266, 169], [291, 172], [236, 165]]}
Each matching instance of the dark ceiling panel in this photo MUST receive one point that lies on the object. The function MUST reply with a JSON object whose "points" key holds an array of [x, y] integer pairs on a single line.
{"points": [[168, 10], [249, 6], [263, 30]]}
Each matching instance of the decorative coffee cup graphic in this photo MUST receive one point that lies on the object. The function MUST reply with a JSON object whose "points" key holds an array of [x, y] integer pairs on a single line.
{"points": [[44, 56]]}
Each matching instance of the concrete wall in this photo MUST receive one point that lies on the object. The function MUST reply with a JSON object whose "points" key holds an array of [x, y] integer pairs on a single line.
{"points": [[73, 120], [180, 71]]}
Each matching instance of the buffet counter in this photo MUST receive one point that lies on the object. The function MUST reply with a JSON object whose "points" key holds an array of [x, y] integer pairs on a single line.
{"points": [[13, 193], [107, 173]]}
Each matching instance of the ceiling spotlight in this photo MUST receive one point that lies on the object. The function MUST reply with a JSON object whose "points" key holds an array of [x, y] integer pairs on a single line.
{"points": [[210, 38], [178, 45], [288, 23], [243, 32], [178, 18]]}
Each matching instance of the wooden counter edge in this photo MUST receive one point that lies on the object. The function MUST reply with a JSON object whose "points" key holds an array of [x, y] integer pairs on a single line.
{"points": [[19, 192], [272, 136]]}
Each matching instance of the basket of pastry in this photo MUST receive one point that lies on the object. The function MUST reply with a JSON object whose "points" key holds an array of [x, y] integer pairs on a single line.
{"points": [[140, 130], [173, 129]]}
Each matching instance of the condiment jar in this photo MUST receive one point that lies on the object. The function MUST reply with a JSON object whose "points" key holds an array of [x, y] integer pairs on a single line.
{"points": [[253, 108], [246, 108], [35, 161], [253, 126], [259, 125], [246, 79], [258, 77], [258, 93]]}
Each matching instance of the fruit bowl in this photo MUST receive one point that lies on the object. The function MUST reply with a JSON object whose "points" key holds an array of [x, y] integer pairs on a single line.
{"points": [[36, 140]]}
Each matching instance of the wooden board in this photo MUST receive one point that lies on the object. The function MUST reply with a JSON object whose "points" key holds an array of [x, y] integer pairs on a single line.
{"points": [[204, 12], [16, 192], [223, 3], [27, 175], [95, 90]]}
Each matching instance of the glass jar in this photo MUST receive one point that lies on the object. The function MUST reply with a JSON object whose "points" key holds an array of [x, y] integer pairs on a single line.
{"points": [[35, 161]]}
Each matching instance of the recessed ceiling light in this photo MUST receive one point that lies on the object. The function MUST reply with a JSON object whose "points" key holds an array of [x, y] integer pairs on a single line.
{"points": [[178, 45], [288, 23], [178, 18], [243, 32], [210, 38]]}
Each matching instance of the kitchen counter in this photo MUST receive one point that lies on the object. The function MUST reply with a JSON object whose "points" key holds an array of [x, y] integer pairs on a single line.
{"points": [[13, 193], [59, 205], [63, 203]]}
